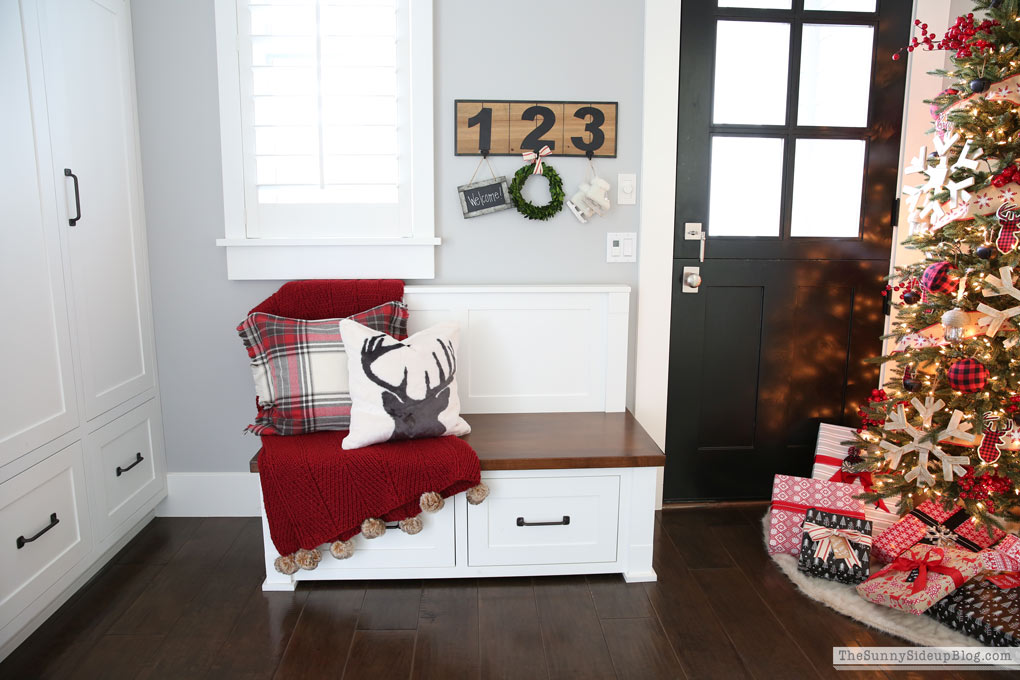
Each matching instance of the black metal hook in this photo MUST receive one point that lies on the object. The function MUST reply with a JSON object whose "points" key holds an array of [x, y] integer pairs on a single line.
{"points": [[590, 154], [485, 153]]}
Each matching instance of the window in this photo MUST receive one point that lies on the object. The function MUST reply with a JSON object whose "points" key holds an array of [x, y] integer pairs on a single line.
{"points": [[326, 131]]}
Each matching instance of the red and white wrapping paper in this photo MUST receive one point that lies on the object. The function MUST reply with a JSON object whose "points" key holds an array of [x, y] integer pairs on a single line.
{"points": [[1002, 561], [910, 530], [1009, 545], [791, 499], [920, 577], [829, 456]]}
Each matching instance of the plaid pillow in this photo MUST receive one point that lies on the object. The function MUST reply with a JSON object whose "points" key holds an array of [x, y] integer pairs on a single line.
{"points": [[300, 368]]}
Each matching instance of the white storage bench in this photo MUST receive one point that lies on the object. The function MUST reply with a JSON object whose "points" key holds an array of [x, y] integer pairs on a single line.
{"points": [[570, 493], [542, 379]]}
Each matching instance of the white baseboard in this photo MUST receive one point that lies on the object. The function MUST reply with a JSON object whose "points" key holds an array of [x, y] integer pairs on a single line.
{"points": [[211, 494]]}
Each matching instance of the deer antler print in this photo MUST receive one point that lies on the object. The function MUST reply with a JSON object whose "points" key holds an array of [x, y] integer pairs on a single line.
{"points": [[444, 379], [413, 417], [371, 350]]}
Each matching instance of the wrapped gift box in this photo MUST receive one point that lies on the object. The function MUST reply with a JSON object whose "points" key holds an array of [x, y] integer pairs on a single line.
{"points": [[984, 611], [829, 465], [835, 547], [792, 497], [930, 523], [992, 559], [1009, 545], [920, 577]]}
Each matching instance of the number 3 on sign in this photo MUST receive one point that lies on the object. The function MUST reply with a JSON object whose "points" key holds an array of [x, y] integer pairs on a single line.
{"points": [[507, 128]]}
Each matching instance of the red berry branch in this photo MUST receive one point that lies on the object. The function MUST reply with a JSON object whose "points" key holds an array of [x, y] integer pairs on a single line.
{"points": [[984, 488], [960, 37], [1010, 174]]}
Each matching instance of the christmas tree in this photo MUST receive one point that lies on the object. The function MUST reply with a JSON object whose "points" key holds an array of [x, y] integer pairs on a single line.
{"points": [[943, 428]]}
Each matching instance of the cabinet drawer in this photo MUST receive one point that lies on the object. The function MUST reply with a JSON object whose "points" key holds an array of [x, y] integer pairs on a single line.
{"points": [[125, 466], [42, 510], [545, 520], [433, 546]]}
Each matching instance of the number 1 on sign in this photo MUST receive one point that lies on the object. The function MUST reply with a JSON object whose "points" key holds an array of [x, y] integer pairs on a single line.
{"points": [[484, 120]]}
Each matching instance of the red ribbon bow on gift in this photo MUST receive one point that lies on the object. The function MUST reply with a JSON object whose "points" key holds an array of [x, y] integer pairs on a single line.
{"points": [[536, 158], [844, 477], [933, 562], [823, 536]]}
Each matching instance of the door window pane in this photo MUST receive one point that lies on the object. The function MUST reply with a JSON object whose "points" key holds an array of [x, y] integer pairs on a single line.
{"points": [[757, 4], [840, 5], [828, 177], [739, 205], [751, 91], [835, 75]]}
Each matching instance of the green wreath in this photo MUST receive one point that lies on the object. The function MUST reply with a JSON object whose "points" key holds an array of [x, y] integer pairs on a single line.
{"points": [[537, 212]]}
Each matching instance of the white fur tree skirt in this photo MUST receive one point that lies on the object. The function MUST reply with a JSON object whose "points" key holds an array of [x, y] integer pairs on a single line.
{"points": [[921, 630]]}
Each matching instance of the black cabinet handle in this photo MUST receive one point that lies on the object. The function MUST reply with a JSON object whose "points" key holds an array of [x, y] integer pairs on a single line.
{"points": [[53, 522], [138, 459], [77, 197], [562, 522]]}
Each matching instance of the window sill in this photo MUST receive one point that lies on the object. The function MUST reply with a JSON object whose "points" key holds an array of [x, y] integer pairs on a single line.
{"points": [[329, 258]]}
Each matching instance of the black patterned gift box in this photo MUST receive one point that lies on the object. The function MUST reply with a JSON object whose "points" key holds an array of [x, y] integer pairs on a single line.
{"points": [[835, 547], [983, 611]]}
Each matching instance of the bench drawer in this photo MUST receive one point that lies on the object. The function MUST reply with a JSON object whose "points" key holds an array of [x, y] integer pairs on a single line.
{"points": [[545, 520], [43, 510], [125, 470], [433, 546]]}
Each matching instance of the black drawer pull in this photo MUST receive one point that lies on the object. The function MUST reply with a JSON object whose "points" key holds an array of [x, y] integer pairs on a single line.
{"points": [[562, 522], [138, 459], [53, 522], [77, 198]]}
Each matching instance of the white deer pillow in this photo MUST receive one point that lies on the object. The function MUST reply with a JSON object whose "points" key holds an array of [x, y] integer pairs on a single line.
{"points": [[402, 389]]}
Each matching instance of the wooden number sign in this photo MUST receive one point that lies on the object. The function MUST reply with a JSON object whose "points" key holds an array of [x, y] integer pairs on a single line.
{"points": [[506, 128]]}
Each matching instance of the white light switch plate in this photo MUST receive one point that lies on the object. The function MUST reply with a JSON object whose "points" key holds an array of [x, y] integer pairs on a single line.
{"points": [[626, 189], [621, 247]]}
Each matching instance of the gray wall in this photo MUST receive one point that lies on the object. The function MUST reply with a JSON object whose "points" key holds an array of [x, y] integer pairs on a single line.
{"points": [[571, 49]]}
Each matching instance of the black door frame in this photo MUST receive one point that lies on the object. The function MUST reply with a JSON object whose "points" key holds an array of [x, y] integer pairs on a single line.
{"points": [[872, 246]]}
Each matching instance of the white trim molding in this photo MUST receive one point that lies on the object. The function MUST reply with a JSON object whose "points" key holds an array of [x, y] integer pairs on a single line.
{"points": [[658, 168], [212, 494]]}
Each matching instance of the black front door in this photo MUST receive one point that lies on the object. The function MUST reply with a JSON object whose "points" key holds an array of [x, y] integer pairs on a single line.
{"points": [[788, 147]]}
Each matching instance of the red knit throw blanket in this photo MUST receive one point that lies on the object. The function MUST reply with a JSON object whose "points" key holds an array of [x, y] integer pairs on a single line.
{"points": [[316, 493]]}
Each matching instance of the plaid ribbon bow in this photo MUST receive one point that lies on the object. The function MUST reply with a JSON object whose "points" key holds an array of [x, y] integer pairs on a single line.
{"points": [[933, 562], [823, 537], [536, 158], [1009, 219]]}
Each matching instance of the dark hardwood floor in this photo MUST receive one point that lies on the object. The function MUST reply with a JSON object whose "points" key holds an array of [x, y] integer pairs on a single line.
{"points": [[183, 600]]}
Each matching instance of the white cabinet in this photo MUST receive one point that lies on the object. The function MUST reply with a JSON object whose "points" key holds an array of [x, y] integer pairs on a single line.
{"points": [[37, 398], [78, 395], [46, 528], [125, 467], [90, 84]]}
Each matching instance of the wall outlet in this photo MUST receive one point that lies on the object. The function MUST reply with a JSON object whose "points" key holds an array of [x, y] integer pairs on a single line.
{"points": [[621, 247]]}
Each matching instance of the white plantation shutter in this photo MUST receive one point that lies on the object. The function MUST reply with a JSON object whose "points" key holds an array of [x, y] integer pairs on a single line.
{"points": [[325, 115]]}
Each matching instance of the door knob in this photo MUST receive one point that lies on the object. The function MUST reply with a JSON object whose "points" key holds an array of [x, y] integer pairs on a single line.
{"points": [[690, 280]]}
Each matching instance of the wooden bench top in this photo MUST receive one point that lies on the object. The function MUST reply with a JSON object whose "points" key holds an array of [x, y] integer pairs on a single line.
{"points": [[556, 441]]}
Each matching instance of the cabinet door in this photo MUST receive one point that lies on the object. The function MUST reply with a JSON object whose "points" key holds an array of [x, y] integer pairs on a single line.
{"points": [[90, 91], [37, 401]]}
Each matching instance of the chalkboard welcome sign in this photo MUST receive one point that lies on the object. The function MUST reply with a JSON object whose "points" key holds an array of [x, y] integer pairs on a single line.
{"points": [[482, 198]]}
